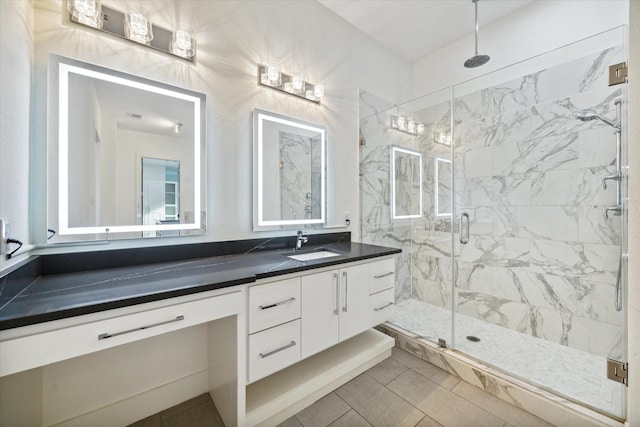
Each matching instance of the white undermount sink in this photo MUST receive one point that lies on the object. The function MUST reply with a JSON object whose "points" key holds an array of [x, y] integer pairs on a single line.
{"points": [[313, 255]]}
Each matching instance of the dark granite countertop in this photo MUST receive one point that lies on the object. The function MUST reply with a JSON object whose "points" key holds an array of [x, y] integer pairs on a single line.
{"points": [[44, 292]]}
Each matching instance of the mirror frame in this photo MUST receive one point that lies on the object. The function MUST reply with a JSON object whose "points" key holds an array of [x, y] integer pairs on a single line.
{"points": [[59, 69], [396, 151], [259, 221], [436, 176]]}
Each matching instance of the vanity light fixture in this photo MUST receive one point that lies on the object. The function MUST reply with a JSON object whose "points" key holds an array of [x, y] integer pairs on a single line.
{"points": [[410, 126], [442, 137], [138, 28], [293, 84], [183, 44], [134, 26], [87, 12]]}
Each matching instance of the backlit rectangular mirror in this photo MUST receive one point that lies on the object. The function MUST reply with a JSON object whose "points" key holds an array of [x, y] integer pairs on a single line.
{"points": [[406, 183], [126, 155], [442, 187], [289, 172]]}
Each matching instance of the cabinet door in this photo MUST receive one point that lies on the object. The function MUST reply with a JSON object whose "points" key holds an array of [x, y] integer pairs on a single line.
{"points": [[354, 300], [320, 311]]}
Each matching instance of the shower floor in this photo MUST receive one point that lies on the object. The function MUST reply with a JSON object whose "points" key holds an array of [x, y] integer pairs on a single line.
{"points": [[574, 374]]}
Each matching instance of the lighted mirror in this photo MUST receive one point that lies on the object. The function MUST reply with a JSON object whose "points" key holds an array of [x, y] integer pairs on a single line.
{"points": [[442, 187], [126, 155], [289, 172], [406, 183]]}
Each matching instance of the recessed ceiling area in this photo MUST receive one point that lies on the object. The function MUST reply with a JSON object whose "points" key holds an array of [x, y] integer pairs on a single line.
{"points": [[415, 28]]}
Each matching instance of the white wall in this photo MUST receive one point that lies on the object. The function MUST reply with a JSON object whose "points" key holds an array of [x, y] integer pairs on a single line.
{"points": [[16, 49], [542, 26], [233, 37]]}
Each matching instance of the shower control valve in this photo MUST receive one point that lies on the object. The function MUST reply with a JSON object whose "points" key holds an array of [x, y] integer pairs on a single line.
{"points": [[613, 177]]}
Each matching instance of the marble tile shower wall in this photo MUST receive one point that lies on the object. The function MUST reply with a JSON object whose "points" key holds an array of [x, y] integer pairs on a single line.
{"points": [[542, 258]]}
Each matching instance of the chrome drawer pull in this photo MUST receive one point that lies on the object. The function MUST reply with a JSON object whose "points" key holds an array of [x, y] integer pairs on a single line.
{"points": [[277, 350], [383, 275], [264, 307], [383, 307], [115, 334]]}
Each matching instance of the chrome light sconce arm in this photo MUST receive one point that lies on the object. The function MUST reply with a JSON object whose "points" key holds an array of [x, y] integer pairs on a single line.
{"points": [[132, 26], [292, 84]]}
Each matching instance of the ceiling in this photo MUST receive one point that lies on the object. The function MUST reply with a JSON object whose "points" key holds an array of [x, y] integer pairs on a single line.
{"points": [[415, 28]]}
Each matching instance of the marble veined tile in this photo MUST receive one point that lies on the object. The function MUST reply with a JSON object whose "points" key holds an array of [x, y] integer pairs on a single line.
{"points": [[537, 222], [594, 227], [597, 147], [597, 301], [574, 187], [573, 373]]}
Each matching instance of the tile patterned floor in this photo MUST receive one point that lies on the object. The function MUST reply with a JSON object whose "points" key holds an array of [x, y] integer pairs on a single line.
{"points": [[402, 390]]}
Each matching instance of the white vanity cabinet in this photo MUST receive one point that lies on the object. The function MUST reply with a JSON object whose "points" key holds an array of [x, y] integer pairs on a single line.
{"points": [[381, 289], [335, 307], [274, 327]]}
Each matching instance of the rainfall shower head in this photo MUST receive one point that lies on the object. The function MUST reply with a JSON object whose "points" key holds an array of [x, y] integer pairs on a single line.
{"points": [[476, 60], [586, 115]]}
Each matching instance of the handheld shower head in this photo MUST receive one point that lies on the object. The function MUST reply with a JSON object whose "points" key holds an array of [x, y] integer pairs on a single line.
{"points": [[589, 114]]}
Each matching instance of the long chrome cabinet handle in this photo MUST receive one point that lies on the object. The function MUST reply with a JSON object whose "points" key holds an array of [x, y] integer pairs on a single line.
{"points": [[277, 350], [383, 275], [264, 307], [464, 231], [115, 334], [346, 292], [383, 307], [335, 276]]}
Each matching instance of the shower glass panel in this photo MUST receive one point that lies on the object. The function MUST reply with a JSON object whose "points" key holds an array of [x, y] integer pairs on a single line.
{"points": [[535, 284], [522, 271], [423, 270]]}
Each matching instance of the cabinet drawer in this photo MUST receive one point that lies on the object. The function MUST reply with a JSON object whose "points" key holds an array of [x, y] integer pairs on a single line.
{"points": [[381, 307], [60, 344], [382, 275], [273, 349], [273, 304]]}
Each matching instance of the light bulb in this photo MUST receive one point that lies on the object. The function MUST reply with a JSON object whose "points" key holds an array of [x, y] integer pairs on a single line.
{"points": [[273, 73], [182, 44], [318, 91], [138, 28], [297, 82]]}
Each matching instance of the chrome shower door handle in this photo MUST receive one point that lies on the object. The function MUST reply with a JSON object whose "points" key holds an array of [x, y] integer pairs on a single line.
{"points": [[464, 228]]}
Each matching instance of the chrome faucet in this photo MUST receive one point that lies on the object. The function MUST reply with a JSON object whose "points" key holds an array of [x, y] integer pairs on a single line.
{"points": [[301, 239]]}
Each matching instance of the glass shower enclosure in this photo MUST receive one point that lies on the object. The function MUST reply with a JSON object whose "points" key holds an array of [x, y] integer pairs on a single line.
{"points": [[517, 260]]}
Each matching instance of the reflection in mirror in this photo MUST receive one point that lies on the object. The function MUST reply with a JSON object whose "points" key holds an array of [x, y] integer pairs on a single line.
{"points": [[289, 171], [406, 183], [442, 186], [160, 194], [121, 148]]}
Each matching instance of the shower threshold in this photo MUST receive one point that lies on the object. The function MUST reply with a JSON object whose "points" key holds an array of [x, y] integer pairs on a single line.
{"points": [[554, 370]]}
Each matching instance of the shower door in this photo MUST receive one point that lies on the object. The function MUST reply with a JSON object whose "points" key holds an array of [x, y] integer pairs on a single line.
{"points": [[538, 235]]}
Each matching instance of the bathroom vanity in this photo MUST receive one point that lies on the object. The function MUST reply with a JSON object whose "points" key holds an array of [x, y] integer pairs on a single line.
{"points": [[109, 341]]}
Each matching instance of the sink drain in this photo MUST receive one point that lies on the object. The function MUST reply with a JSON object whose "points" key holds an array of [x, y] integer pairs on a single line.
{"points": [[472, 338]]}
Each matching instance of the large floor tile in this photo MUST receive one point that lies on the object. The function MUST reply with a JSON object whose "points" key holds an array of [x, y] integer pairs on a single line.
{"points": [[386, 370], [441, 404], [378, 405], [351, 419], [323, 412]]}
